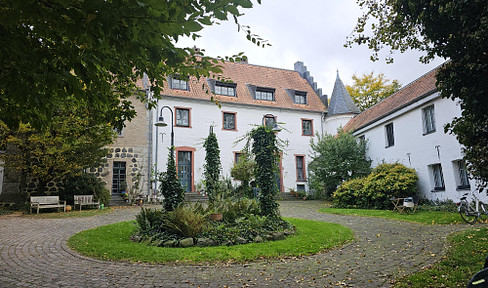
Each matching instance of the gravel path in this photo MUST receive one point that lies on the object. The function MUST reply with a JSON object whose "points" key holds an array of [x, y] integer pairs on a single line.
{"points": [[33, 253]]}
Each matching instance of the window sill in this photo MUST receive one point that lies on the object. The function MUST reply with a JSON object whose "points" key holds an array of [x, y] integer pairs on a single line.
{"points": [[308, 135], [463, 188], [427, 133], [389, 146], [438, 189], [182, 126], [302, 180], [231, 130]]}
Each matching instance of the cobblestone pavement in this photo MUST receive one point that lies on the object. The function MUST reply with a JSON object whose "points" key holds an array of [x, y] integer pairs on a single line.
{"points": [[33, 253]]}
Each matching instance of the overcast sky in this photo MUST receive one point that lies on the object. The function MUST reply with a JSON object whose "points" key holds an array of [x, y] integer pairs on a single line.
{"points": [[311, 31]]}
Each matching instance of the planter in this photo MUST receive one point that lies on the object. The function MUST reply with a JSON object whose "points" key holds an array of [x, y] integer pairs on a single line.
{"points": [[68, 208], [215, 216]]}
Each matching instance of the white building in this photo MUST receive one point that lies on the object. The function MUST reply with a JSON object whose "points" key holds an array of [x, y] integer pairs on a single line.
{"points": [[255, 94], [408, 127]]}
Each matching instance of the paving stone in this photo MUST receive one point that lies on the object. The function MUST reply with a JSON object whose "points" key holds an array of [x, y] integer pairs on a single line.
{"points": [[34, 253]]}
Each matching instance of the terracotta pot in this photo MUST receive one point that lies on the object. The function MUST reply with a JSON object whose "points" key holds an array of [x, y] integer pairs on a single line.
{"points": [[215, 216], [68, 208]]}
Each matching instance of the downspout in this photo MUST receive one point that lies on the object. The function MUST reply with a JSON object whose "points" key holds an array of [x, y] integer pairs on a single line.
{"points": [[147, 88]]}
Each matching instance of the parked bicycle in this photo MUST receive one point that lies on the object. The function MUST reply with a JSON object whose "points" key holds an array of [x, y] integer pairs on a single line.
{"points": [[470, 211]]}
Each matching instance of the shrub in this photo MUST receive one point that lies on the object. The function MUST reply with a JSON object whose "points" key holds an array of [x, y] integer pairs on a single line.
{"points": [[84, 184], [375, 190], [186, 220], [438, 205], [233, 209], [349, 194], [389, 180], [149, 221]]}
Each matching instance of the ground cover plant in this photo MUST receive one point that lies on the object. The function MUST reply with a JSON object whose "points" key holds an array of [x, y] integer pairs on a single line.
{"points": [[466, 256], [112, 242], [420, 216]]}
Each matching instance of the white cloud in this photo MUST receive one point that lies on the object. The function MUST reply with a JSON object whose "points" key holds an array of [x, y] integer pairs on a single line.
{"points": [[311, 31]]}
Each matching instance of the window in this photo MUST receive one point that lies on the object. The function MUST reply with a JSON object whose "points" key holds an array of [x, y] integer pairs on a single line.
{"points": [[438, 177], [301, 187], [429, 119], [462, 178], [237, 155], [269, 121], [264, 94], [120, 132], [179, 83], [229, 119], [362, 138], [300, 163], [307, 127], [300, 97], [182, 117], [225, 89], [390, 140]]}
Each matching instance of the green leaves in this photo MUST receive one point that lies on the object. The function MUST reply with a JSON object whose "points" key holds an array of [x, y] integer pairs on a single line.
{"points": [[95, 52], [368, 90], [212, 165]]}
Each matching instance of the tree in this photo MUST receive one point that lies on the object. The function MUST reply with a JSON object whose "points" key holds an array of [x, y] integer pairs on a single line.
{"points": [[266, 152], [170, 186], [212, 165], [243, 171], [336, 159], [368, 90], [95, 51], [457, 30], [73, 142]]}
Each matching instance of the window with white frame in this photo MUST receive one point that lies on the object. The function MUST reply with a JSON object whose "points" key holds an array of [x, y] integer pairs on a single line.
{"points": [[462, 178], [389, 135], [437, 177], [225, 89], [307, 127], [264, 94], [300, 97], [183, 117], [300, 163], [179, 83], [428, 116], [229, 119]]}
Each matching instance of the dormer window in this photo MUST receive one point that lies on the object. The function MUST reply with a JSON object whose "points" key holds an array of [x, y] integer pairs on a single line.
{"points": [[300, 97], [225, 89], [179, 83], [267, 94]]}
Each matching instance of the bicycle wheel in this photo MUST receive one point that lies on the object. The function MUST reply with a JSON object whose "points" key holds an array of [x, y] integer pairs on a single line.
{"points": [[468, 213], [484, 207]]}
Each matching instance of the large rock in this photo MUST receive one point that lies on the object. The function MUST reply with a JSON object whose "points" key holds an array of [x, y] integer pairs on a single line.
{"points": [[241, 240], [186, 242], [205, 242], [278, 236]]}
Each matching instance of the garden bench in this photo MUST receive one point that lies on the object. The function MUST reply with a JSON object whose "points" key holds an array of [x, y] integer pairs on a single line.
{"points": [[85, 200], [40, 202]]}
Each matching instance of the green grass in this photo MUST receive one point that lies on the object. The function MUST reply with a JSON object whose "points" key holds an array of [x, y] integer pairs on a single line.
{"points": [[464, 259], [423, 217], [112, 242], [73, 213]]}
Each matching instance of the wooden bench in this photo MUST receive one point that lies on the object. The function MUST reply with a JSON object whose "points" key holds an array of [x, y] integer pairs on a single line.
{"points": [[85, 200], [41, 202]]}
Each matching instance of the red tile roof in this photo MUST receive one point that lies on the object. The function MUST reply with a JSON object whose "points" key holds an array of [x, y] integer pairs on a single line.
{"points": [[244, 74], [414, 91]]}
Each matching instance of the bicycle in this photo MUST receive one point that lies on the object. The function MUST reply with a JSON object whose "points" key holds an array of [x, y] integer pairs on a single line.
{"points": [[469, 213]]}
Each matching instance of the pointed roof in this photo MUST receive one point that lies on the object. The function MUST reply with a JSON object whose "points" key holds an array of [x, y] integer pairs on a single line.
{"points": [[340, 100]]}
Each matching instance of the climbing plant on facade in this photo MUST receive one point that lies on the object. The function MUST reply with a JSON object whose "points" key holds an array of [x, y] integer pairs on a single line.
{"points": [[266, 152], [212, 165]]}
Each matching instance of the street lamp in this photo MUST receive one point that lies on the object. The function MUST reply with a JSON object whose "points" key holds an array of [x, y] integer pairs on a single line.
{"points": [[161, 123], [275, 128]]}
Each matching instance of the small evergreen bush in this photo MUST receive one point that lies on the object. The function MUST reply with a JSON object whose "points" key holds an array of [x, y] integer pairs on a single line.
{"points": [[84, 184], [350, 194]]}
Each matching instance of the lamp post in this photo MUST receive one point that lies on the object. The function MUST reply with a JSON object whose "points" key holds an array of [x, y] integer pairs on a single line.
{"points": [[161, 123], [275, 128]]}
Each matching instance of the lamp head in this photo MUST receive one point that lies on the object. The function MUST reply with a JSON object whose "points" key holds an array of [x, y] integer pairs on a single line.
{"points": [[160, 122]]}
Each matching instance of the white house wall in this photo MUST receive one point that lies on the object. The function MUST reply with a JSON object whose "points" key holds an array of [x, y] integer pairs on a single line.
{"points": [[205, 113], [418, 151]]}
